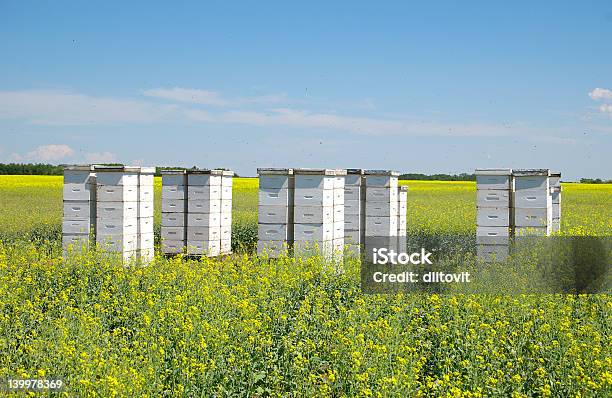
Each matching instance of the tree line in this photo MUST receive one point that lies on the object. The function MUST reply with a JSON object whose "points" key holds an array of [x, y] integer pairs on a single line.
{"points": [[53, 170]]}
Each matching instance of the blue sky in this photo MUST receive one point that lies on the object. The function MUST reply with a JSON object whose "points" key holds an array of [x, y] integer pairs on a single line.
{"points": [[428, 87]]}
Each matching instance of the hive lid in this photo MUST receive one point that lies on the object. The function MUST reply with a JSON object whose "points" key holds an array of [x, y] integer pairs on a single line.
{"points": [[173, 172], [391, 173], [274, 170], [531, 172], [214, 172], [327, 172], [227, 173], [118, 168], [354, 171], [78, 167], [341, 172], [493, 172], [555, 174]]}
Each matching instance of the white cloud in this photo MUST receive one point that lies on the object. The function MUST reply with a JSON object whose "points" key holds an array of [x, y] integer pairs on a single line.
{"points": [[189, 95], [208, 97], [358, 125], [605, 108], [50, 153], [600, 94], [67, 108], [101, 157]]}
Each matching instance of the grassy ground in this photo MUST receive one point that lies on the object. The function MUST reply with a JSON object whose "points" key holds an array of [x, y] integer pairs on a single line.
{"points": [[248, 326]]}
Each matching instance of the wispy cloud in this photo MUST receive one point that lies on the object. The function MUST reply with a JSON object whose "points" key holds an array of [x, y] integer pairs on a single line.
{"points": [[68, 108], [101, 157], [208, 97], [600, 93], [358, 125], [44, 154], [605, 108]]}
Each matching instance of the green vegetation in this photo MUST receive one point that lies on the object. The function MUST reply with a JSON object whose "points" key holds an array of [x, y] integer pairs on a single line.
{"points": [[250, 326]]}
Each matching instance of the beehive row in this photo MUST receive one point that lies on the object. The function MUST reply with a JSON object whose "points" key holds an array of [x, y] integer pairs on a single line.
{"points": [[514, 203], [324, 209], [197, 212], [112, 204]]}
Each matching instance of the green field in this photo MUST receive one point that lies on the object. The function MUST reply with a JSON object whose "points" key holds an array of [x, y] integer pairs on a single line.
{"points": [[249, 326]]}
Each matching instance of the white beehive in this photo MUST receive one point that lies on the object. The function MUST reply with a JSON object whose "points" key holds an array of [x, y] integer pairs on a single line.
{"points": [[275, 211], [493, 213], [354, 210], [117, 196], [203, 234], [381, 203], [532, 202], [319, 212], [174, 215], [79, 195]]}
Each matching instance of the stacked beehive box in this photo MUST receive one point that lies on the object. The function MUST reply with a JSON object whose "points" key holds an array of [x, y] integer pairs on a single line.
{"points": [[318, 195], [204, 212], [227, 182], [117, 209], [145, 240], [532, 202], [275, 211], [338, 204], [493, 216], [79, 205], [381, 206], [174, 214], [354, 210], [555, 192]]}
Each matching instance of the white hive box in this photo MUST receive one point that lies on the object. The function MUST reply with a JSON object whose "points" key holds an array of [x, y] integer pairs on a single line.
{"points": [[173, 233], [314, 197], [75, 241], [117, 175], [173, 220], [76, 227], [314, 232], [79, 210], [493, 235], [529, 217], [210, 248], [381, 178], [273, 214], [381, 226], [174, 192], [493, 217], [314, 214], [79, 183], [204, 220], [203, 206], [204, 177], [275, 232], [118, 243], [493, 198], [117, 210], [172, 246]]}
